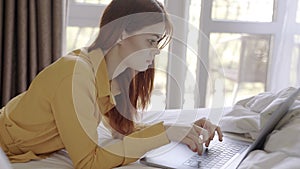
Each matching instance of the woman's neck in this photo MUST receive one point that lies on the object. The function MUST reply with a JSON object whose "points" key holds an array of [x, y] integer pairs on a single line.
{"points": [[113, 60]]}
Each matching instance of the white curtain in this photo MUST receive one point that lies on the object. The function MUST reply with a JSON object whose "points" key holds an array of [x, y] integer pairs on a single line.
{"points": [[285, 65]]}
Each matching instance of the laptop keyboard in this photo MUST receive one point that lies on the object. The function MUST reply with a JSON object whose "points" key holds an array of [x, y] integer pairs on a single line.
{"points": [[216, 156]]}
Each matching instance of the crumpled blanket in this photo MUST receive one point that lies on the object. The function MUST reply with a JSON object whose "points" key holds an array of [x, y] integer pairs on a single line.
{"points": [[249, 115]]}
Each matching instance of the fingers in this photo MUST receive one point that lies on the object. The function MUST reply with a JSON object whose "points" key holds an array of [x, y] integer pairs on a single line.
{"points": [[207, 143], [199, 145], [194, 143], [198, 136], [220, 134], [200, 122], [207, 135], [201, 132], [211, 128]]}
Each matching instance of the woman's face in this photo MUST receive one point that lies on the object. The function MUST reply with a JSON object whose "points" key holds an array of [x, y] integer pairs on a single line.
{"points": [[140, 48]]}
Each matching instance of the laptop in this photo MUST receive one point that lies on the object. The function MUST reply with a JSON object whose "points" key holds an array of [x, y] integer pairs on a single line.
{"points": [[226, 154]]}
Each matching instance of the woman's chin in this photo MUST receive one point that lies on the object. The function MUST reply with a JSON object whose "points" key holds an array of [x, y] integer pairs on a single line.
{"points": [[143, 69]]}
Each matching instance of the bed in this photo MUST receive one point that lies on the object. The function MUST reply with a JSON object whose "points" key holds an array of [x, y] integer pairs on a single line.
{"points": [[245, 118]]}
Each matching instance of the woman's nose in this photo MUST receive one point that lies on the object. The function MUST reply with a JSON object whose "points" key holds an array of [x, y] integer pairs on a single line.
{"points": [[155, 52]]}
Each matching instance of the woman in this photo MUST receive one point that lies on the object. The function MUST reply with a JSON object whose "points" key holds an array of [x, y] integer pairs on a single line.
{"points": [[106, 82]]}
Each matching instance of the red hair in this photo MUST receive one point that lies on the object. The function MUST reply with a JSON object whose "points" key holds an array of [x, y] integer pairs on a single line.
{"points": [[130, 16]]}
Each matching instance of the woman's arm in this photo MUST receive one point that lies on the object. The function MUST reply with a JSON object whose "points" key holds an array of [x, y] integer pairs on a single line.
{"points": [[74, 107]]}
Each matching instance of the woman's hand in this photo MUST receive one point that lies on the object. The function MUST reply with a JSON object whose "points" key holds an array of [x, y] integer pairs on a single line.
{"points": [[194, 135], [211, 129]]}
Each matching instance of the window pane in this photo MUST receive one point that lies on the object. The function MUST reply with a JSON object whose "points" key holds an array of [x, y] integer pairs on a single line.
{"points": [[244, 60], [191, 54], [158, 97], [243, 10], [194, 13], [94, 1], [298, 13], [295, 62], [105, 2], [190, 79], [78, 37]]}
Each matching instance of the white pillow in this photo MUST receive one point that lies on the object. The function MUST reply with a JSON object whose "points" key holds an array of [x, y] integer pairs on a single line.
{"points": [[5, 164]]}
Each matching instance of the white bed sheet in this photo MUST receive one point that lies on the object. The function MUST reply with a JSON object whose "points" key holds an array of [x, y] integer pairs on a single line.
{"points": [[58, 160], [281, 150]]}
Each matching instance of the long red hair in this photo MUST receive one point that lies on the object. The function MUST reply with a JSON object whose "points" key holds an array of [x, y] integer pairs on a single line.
{"points": [[136, 88]]}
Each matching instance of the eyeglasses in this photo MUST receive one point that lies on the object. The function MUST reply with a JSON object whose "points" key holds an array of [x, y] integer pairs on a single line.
{"points": [[153, 43]]}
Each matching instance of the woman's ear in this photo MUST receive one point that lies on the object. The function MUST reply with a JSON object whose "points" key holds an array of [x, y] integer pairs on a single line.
{"points": [[121, 39], [119, 42], [124, 35]]}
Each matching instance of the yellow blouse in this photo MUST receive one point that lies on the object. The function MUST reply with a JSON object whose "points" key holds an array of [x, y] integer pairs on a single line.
{"points": [[62, 109]]}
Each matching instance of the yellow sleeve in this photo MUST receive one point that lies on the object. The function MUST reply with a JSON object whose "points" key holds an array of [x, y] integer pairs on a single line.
{"points": [[77, 126], [140, 142]]}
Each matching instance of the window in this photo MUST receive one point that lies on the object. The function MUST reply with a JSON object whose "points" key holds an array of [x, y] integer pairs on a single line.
{"points": [[238, 28], [218, 35]]}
